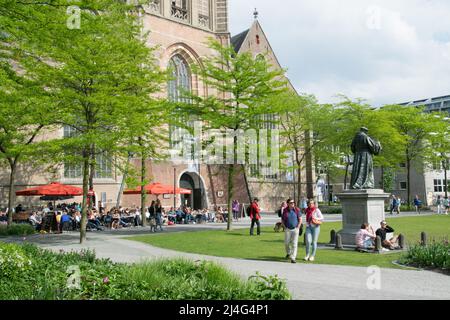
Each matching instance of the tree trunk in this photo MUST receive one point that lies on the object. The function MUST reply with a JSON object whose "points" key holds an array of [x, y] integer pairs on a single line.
{"points": [[247, 187], [299, 177], [299, 184], [143, 194], [230, 195], [382, 179], [85, 196], [408, 177], [446, 178], [11, 197], [211, 183], [309, 167], [91, 177], [347, 166], [328, 187], [122, 184]]}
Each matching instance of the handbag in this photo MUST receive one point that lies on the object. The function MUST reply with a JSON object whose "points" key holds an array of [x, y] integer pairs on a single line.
{"points": [[315, 221]]}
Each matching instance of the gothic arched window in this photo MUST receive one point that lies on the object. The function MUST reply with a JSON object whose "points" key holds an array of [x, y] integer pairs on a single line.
{"points": [[180, 84]]}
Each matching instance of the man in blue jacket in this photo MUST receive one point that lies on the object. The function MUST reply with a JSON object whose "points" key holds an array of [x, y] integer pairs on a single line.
{"points": [[292, 221]]}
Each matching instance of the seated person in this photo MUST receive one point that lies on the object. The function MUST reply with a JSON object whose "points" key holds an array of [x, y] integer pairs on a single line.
{"points": [[219, 216], [3, 217], [66, 222], [93, 221], [210, 216], [137, 218], [36, 221], [365, 237], [390, 244], [58, 221], [179, 215], [76, 220], [115, 220]]}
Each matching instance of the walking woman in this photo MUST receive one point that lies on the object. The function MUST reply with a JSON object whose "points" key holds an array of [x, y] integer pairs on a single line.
{"points": [[236, 206], [152, 214], [159, 214], [314, 219]]}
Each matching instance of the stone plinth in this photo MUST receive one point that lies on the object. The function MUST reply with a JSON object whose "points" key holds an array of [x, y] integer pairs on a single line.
{"points": [[358, 207]]}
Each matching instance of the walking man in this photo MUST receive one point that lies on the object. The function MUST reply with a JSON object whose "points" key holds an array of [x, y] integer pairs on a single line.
{"points": [[439, 204], [255, 217], [446, 204], [292, 220], [417, 204]]}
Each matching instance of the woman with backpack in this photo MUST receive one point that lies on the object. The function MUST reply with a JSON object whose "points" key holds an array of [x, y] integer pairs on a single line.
{"points": [[314, 219], [255, 217]]}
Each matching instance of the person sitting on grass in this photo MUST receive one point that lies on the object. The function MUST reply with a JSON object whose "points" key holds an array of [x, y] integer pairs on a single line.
{"points": [[390, 244], [365, 237]]}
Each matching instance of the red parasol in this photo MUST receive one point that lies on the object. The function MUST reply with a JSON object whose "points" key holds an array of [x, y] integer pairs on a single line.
{"points": [[158, 188], [53, 189]]}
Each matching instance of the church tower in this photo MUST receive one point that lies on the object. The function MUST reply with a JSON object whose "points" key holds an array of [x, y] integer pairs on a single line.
{"points": [[210, 15]]}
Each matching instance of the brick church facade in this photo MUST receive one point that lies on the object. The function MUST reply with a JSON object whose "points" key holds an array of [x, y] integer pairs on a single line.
{"points": [[180, 30]]}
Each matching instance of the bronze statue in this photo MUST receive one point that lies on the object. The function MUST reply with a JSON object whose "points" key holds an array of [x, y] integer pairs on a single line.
{"points": [[363, 148]]}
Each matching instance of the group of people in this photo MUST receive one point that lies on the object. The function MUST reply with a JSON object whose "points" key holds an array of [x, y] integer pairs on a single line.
{"points": [[395, 204], [442, 205], [292, 221], [67, 217], [186, 215], [365, 237]]}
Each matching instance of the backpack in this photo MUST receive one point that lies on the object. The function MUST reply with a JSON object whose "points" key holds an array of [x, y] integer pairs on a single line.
{"points": [[280, 214], [248, 210]]}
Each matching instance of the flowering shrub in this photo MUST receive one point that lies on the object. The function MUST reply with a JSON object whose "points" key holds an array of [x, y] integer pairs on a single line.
{"points": [[436, 255], [168, 279], [13, 260]]}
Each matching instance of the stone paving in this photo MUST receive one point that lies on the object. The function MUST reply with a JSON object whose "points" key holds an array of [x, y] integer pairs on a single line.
{"points": [[305, 281]]}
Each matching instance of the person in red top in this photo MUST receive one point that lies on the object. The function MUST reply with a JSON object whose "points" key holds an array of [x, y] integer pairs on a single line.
{"points": [[255, 217]]}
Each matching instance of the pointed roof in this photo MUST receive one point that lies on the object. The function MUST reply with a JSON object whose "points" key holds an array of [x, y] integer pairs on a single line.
{"points": [[238, 40]]}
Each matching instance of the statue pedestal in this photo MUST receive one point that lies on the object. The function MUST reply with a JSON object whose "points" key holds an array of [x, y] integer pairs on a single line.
{"points": [[358, 207]]}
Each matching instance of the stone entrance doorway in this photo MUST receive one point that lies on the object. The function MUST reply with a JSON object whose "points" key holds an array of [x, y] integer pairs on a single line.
{"points": [[196, 200]]}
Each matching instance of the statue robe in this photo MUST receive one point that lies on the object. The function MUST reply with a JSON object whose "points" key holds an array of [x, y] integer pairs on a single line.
{"points": [[363, 148]]}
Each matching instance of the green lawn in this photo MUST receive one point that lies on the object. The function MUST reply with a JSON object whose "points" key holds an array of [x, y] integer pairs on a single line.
{"points": [[270, 245]]}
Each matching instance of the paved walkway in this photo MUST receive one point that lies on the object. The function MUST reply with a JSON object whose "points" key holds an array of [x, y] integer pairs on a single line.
{"points": [[305, 281]]}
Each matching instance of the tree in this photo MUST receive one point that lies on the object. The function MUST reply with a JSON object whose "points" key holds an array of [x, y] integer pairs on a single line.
{"points": [[305, 127], [349, 117], [101, 73], [25, 111], [244, 86], [146, 137], [440, 145], [416, 128], [25, 104]]}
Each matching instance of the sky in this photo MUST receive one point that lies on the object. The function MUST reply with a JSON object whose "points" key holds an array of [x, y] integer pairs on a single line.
{"points": [[383, 51]]}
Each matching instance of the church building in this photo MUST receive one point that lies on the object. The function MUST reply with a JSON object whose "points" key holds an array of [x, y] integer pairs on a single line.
{"points": [[180, 30]]}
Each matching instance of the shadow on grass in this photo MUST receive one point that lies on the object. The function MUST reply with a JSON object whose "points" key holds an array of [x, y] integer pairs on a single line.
{"points": [[273, 241], [280, 258]]}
